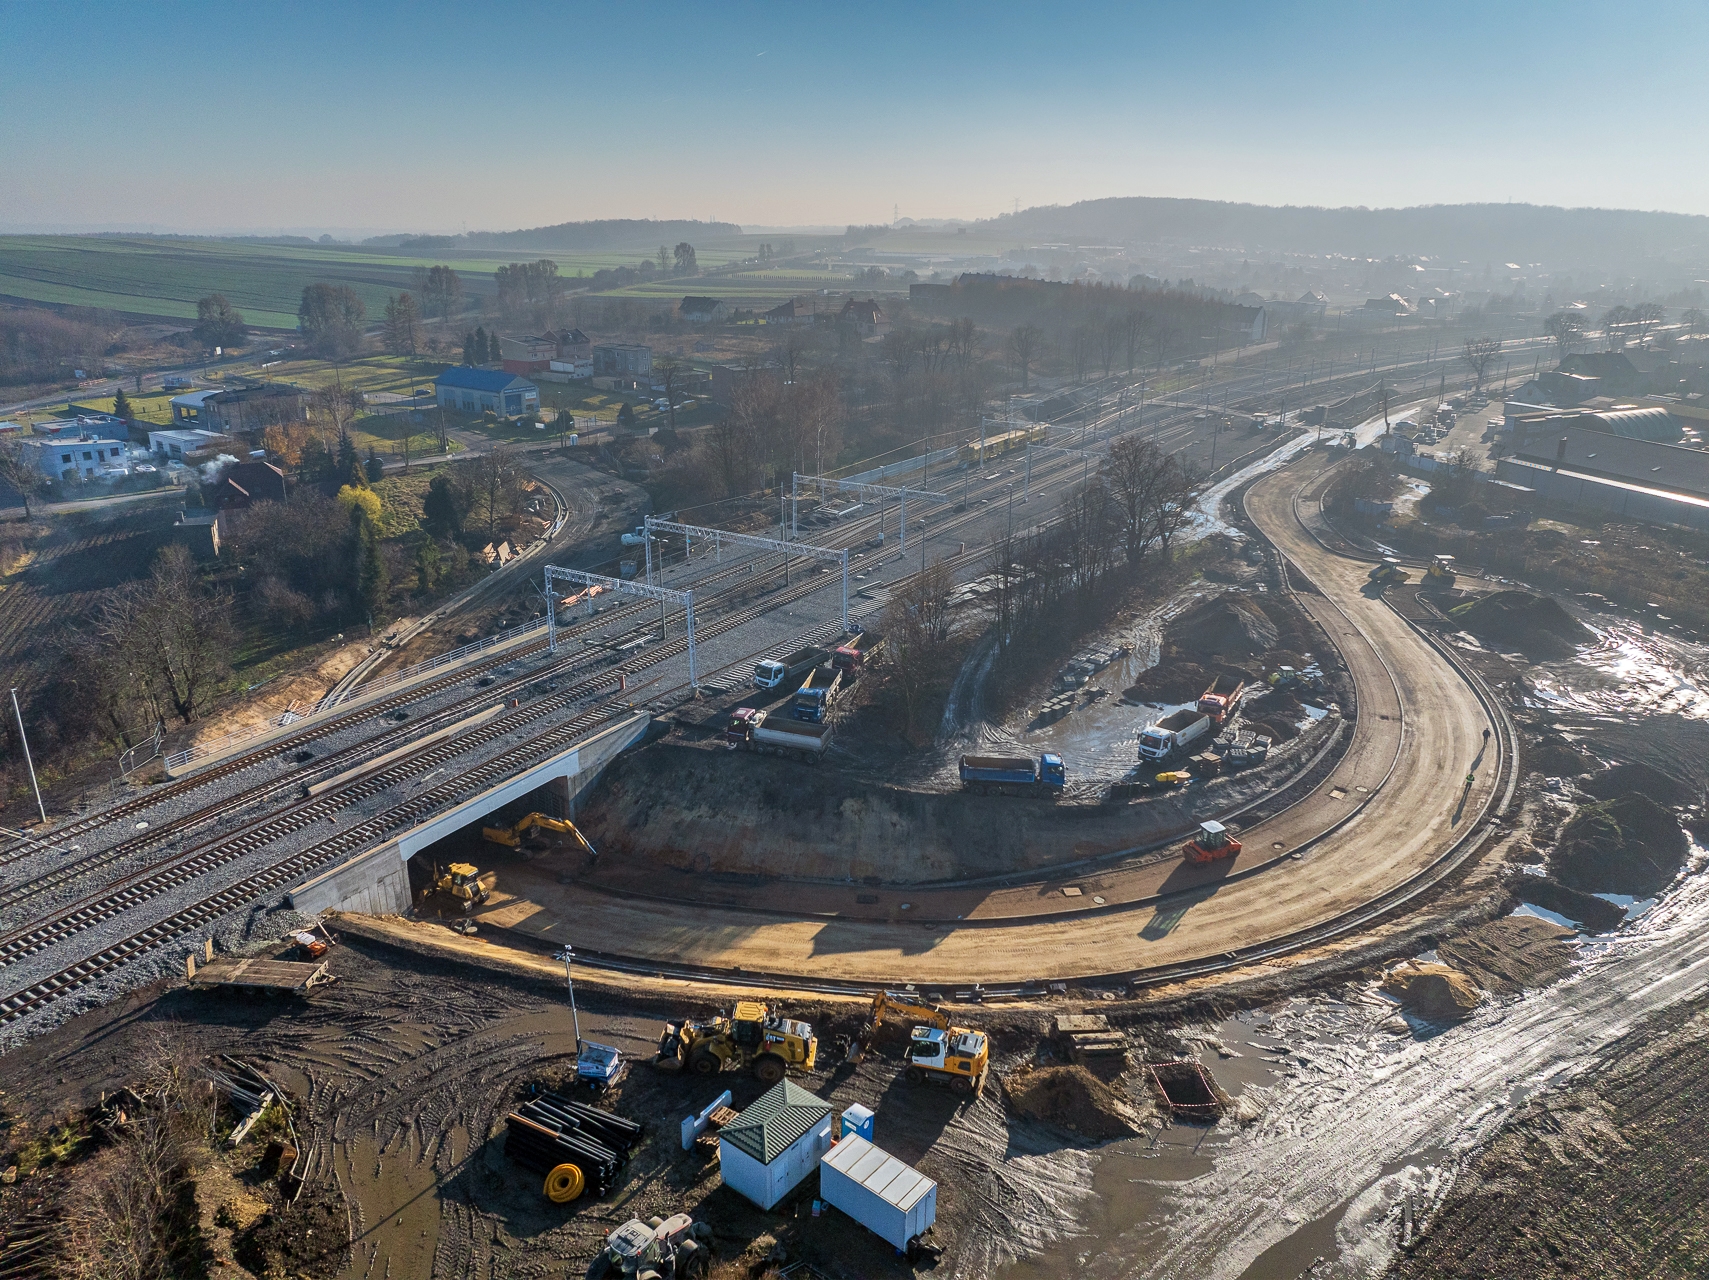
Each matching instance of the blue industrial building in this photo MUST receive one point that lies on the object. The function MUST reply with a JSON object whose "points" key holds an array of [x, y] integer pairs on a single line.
{"points": [[474, 390]]}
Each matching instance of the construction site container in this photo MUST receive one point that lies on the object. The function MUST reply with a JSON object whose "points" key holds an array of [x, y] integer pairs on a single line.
{"points": [[894, 1201], [773, 1144]]}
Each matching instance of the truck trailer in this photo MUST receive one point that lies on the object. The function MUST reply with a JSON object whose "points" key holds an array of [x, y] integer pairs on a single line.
{"points": [[753, 730], [1219, 700], [813, 699], [771, 672], [1171, 734], [862, 650], [1014, 775]]}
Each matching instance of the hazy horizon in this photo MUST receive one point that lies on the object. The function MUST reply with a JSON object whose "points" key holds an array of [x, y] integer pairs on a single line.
{"points": [[196, 119]]}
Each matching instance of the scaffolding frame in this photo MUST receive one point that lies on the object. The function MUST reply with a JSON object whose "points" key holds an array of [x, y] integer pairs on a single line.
{"points": [[718, 537], [622, 586], [865, 492]]}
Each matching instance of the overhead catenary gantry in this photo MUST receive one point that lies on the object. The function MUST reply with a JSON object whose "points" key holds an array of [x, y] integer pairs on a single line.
{"points": [[865, 492], [719, 537], [622, 586], [1027, 478]]}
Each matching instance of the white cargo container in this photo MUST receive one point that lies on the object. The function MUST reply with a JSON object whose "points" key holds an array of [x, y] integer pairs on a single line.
{"points": [[894, 1201]]}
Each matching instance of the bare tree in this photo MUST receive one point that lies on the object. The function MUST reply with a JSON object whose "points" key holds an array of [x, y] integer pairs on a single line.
{"points": [[1110, 338], [1645, 317], [168, 638], [17, 471], [1024, 341], [1567, 329], [403, 325], [1134, 327], [918, 626], [1615, 322], [1478, 355], [498, 481]]}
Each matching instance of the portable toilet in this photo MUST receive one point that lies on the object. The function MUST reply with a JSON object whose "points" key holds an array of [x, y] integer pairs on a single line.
{"points": [[857, 1120]]}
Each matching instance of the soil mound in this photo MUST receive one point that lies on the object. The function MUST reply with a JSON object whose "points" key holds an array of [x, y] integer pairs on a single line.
{"points": [[1231, 626], [1663, 788], [1535, 625], [1434, 992], [1596, 914], [1629, 844], [1558, 758], [1169, 682], [1072, 1098], [1509, 955]]}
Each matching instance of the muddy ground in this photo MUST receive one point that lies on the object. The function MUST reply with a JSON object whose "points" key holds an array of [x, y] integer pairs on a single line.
{"points": [[402, 1073], [1607, 1179]]}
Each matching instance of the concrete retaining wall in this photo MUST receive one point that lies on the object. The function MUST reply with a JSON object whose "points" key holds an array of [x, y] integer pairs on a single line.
{"points": [[377, 880]]}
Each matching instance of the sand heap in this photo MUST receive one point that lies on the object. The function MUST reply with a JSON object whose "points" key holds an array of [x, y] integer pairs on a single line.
{"points": [[1072, 1098], [1535, 625], [1434, 992], [1231, 626], [1509, 955], [1629, 844]]}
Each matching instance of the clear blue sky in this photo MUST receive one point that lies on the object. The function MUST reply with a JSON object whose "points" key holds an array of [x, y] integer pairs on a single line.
{"points": [[437, 117]]}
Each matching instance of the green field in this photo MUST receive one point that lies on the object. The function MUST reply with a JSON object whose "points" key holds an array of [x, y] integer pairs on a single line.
{"points": [[163, 277]]}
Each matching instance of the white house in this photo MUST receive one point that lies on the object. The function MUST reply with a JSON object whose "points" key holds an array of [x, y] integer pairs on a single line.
{"points": [[768, 1149], [68, 457], [177, 444]]}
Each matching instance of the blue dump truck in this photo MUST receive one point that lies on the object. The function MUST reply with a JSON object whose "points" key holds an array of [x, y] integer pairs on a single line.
{"points": [[1014, 776], [813, 698]]}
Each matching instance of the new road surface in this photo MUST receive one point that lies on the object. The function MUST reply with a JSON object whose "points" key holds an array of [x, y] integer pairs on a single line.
{"points": [[1408, 798]]}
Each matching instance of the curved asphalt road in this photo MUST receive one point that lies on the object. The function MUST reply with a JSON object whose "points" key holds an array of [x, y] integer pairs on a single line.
{"points": [[1394, 805]]}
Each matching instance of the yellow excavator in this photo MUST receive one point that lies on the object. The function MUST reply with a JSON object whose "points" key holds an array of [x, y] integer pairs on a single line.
{"points": [[513, 836], [1440, 576], [751, 1035], [462, 883], [937, 1052]]}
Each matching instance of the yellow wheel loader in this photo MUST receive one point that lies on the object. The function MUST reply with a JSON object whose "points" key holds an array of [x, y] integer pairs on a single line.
{"points": [[463, 884], [751, 1035]]}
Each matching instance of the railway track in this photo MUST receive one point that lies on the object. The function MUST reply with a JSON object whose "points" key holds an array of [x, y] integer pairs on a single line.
{"points": [[296, 742]]}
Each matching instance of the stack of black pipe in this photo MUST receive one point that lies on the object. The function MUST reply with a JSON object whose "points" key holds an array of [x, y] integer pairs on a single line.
{"points": [[549, 1130]]}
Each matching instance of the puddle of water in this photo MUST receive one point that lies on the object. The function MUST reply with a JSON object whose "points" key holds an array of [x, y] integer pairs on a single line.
{"points": [[1543, 913]]}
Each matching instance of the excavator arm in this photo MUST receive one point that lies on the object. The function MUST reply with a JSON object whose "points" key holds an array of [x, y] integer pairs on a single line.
{"points": [[890, 1003], [512, 836]]}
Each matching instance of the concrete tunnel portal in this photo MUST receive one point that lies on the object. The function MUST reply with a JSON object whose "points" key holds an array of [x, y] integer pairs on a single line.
{"points": [[378, 881]]}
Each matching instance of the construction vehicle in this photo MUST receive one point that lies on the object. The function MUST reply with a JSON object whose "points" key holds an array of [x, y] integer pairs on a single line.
{"points": [[1212, 844], [464, 884], [957, 1056], [673, 1248], [753, 730], [1388, 573], [512, 836], [860, 652], [1170, 735], [813, 699], [777, 669], [750, 1036], [1014, 775], [1219, 701], [1440, 575]]}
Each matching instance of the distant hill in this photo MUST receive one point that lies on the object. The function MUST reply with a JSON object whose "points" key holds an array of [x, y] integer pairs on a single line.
{"points": [[609, 233], [1473, 233]]}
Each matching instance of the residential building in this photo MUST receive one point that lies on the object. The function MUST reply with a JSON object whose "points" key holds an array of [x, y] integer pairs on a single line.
{"points": [[193, 409], [622, 359], [726, 379], [237, 408], [795, 311], [247, 483], [573, 354], [532, 354], [703, 310], [864, 316], [485, 390], [66, 457], [1315, 299], [200, 531]]}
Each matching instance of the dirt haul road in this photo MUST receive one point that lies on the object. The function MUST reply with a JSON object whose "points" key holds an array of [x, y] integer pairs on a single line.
{"points": [[1397, 803]]}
